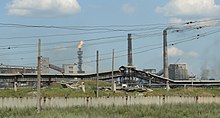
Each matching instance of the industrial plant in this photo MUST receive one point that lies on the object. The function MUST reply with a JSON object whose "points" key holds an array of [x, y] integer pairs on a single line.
{"points": [[176, 74]]}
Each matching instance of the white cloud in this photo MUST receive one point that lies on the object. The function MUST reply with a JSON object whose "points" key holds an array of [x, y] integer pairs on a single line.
{"points": [[176, 20], [190, 7], [174, 52], [43, 8], [128, 9]]}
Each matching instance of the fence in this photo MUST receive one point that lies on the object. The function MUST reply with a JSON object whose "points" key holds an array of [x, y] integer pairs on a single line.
{"points": [[22, 102]]}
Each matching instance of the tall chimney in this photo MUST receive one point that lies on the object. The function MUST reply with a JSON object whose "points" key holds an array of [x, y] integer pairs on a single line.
{"points": [[80, 57], [129, 50], [165, 59], [80, 61], [165, 55]]}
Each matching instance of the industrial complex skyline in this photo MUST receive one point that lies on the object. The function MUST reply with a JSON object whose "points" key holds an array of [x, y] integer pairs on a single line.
{"points": [[193, 33]]}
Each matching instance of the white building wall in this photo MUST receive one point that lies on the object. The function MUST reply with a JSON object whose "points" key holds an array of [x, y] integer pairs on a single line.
{"points": [[45, 65], [70, 68]]}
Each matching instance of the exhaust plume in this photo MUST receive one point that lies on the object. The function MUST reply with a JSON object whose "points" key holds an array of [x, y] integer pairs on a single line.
{"points": [[202, 23]]}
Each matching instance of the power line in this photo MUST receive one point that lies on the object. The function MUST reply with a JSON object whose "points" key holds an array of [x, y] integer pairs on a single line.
{"points": [[173, 42], [158, 47], [52, 35], [205, 34], [157, 27], [103, 26], [138, 52], [66, 42]]}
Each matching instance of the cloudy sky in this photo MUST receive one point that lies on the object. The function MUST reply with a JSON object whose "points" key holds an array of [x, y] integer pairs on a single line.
{"points": [[193, 32]]}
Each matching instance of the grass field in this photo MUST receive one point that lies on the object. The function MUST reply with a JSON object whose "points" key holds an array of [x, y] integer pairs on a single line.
{"points": [[185, 92], [135, 111], [56, 90]]}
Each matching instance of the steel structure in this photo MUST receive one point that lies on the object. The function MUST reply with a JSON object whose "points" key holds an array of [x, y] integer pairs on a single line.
{"points": [[153, 79], [80, 60]]}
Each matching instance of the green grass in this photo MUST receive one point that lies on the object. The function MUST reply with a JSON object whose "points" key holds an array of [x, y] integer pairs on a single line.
{"points": [[18, 93], [185, 92], [90, 86], [56, 90], [132, 111]]}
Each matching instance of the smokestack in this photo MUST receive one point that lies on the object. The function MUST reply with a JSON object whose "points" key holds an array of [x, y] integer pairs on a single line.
{"points": [[165, 55], [80, 57], [165, 59], [129, 50]]}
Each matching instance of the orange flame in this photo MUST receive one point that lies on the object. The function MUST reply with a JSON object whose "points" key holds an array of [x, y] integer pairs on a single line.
{"points": [[80, 45]]}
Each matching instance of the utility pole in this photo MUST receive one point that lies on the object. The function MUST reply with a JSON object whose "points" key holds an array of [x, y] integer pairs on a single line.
{"points": [[113, 56], [97, 73], [165, 59], [39, 77]]}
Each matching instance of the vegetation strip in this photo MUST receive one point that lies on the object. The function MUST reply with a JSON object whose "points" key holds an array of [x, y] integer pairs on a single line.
{"points": [[130, 111], [56, 90]]}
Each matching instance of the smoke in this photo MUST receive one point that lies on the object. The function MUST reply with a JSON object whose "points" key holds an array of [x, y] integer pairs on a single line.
{"points": [[191, 24], [211, 63], [201, 23], [174, 52], [205, 73], [80, 45], [209, 73]]}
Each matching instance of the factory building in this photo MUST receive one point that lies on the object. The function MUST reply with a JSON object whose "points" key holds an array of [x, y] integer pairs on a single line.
{"points": [[70, 68], [44, 64], [178, 72], [45, 67], [66, 68], [9, 69]]}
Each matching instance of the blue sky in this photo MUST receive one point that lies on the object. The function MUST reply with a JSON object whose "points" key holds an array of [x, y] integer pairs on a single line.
{"points": [[144, 19]]}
